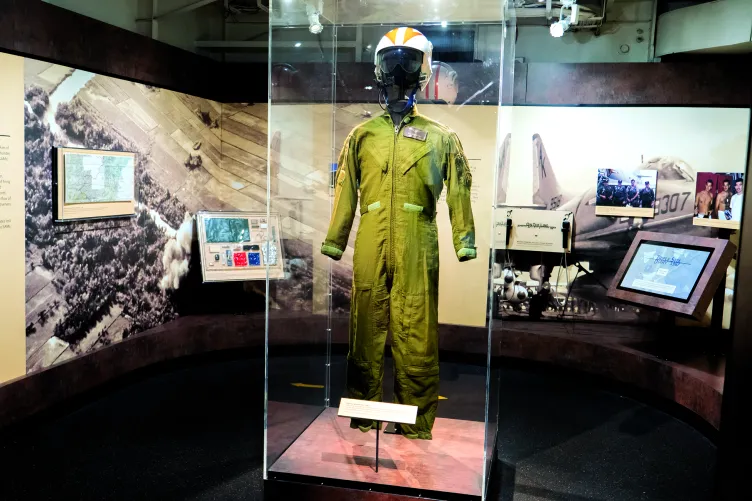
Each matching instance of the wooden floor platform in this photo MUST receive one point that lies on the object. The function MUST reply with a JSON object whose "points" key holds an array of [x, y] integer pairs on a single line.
{"points": [[452, 462]]}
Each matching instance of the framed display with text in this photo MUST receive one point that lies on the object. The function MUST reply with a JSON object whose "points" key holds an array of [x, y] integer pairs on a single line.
{"points": [[93, 184], [533, 230], [676, 273], [239, 246]]}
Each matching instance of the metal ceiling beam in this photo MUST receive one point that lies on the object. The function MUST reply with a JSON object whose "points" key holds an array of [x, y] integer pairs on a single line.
{"points": [[187, 8], [242, 44]]}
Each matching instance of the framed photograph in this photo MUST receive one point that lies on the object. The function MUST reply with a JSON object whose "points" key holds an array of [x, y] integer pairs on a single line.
{"points": [[718, 200], [94, 184], [240, 246], [626, 193]]}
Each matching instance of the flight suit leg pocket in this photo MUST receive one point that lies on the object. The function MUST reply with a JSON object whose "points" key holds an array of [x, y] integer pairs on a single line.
{"points": [[364, 363], [368, 326], [363, 383], [419, 386], [361, 322]]}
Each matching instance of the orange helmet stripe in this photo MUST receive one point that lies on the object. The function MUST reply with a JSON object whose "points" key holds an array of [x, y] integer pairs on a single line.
{"points": [[411, 33], [392, 35]]}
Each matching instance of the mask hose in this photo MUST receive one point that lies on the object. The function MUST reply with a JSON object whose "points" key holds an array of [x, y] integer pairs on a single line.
{"points": [[410, 102]]}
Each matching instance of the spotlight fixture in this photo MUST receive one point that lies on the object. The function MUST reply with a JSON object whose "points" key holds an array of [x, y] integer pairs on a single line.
{"points": [[560, 27], [565, 22], [313, 18]]}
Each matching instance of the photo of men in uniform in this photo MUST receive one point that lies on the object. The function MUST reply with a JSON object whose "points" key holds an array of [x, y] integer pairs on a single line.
{"points": [[719, 199], [626, 193], [647, 196]]}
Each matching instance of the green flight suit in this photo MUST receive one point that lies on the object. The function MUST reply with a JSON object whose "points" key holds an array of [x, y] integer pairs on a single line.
{"points": [[396, 260]]}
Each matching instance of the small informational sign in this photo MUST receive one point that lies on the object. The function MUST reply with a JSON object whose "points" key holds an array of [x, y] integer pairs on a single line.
{"points": [[378, 411], [533, 230], [240, 246]]}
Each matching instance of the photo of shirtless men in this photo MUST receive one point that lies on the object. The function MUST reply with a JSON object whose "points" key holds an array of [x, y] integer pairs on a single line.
{"points": [[719, 196]]}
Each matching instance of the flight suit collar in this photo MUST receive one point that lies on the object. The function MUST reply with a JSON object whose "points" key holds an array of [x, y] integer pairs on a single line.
{"points": [[408, 118]]}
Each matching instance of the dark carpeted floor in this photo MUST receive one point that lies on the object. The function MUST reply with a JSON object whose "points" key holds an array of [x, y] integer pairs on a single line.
{"points": [[196, 433]]}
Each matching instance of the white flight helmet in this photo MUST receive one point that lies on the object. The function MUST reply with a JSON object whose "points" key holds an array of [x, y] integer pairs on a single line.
{"points": [[408, 38], [443, 84]]}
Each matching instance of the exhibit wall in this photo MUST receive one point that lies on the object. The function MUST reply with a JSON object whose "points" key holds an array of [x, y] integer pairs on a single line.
{"points": [[540, 166], [556, 154], [91, 284], [88, 285]]}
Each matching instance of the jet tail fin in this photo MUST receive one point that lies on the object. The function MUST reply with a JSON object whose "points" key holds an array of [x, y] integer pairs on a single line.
{"points": [[546, 189], [503, 174]]}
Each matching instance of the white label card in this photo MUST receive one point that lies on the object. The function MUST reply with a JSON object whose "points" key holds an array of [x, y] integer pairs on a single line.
{"points": [[533, 230], [378, 411]]}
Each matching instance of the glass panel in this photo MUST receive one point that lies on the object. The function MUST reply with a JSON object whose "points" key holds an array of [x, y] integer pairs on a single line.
{"points": [[503, 145], [428, 324], [564, 156], [299, 166]]}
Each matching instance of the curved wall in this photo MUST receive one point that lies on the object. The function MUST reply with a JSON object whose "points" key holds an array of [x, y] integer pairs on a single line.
{"points": [[605, 355]]}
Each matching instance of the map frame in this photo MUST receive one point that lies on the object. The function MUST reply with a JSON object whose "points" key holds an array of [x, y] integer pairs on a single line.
{"points": [[88, 210]]}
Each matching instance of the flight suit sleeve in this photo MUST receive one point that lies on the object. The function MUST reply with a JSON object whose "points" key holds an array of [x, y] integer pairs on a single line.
{"points": [[345, 201], [459, 180]]}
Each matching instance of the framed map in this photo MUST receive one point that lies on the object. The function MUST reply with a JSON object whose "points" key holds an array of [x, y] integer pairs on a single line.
{"points": [[93, 184]]}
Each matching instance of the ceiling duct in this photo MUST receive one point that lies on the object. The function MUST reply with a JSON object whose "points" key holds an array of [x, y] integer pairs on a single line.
{"points": [[721, 27]]}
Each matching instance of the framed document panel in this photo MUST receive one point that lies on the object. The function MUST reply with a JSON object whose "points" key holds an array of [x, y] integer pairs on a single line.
{"points": [[677, 273], [93, 184], [239, 246]]}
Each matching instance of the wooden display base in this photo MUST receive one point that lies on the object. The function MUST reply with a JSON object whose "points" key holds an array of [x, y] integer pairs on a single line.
{"points": [[330, 452]]}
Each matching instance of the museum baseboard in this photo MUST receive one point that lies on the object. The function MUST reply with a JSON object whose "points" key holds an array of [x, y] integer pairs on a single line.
{"points": [[607, 355]]}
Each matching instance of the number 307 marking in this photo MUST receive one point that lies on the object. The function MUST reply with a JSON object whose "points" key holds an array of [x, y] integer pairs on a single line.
{"points": [[670, 203]]}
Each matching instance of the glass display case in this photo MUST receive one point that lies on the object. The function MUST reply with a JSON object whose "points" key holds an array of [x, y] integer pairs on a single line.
{"points": [[370, 202]]}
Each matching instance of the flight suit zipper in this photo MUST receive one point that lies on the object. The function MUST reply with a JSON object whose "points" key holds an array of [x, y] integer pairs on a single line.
{"points": [[390, 263]]}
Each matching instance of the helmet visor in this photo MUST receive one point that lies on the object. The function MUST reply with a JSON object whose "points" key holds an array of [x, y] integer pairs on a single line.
{"points": [[409, 59]]}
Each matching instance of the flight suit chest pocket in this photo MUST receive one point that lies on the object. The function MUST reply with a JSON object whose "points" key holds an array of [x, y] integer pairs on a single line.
{"points": [[422, 175], [417, 158], [373, 160]]}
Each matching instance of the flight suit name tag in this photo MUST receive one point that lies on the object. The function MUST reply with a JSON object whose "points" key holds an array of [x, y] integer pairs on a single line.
{"points": [[414, 133]]}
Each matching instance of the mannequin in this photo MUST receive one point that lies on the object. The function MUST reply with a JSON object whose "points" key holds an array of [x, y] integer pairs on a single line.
{"points": [[398, 92], [399, 102], [393, 168]]}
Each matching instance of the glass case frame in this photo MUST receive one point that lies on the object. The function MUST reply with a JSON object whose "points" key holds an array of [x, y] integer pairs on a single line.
{"points": [[314, 103]]}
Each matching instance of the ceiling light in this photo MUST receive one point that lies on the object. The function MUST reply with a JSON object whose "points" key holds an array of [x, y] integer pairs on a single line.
{"points": [[298, 44], [444, 24], [560, 27], [565, 22], [316, 27], [313, 14]]}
